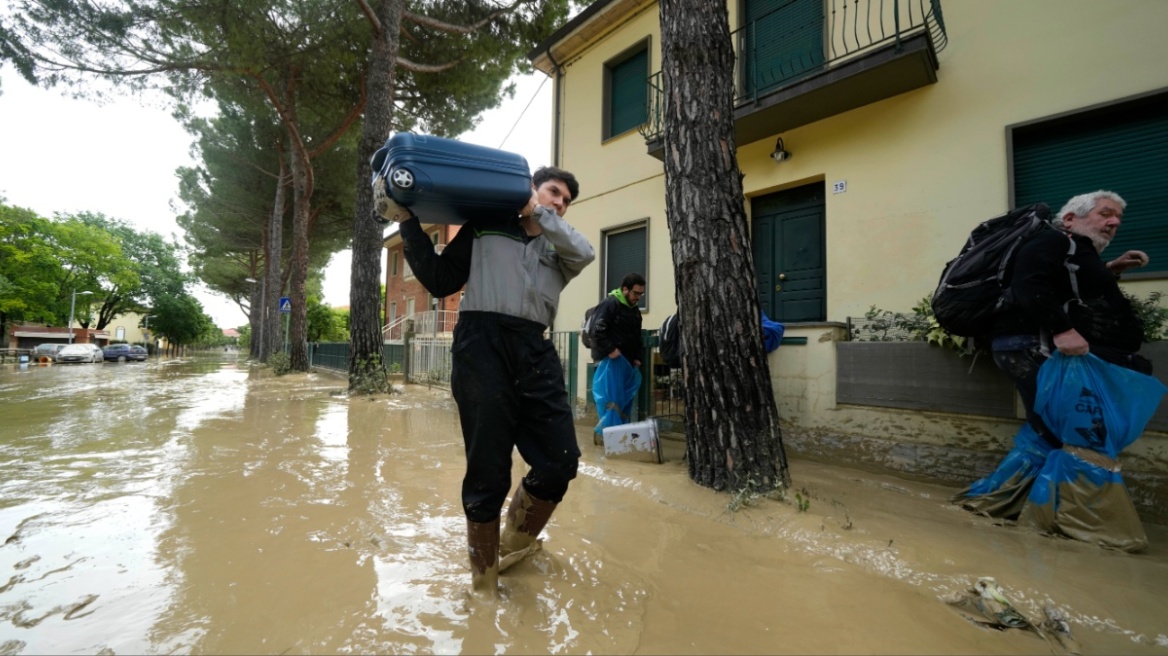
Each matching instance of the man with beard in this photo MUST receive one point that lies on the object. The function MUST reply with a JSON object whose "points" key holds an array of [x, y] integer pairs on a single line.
{"points": [[1063, 296]]}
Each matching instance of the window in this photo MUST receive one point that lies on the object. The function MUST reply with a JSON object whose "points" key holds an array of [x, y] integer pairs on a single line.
{"points": [[626, 90], [393, 265], [392, 312], [121, 334], [409, 307], [625, 252], [407, 272], [1121, 147]]}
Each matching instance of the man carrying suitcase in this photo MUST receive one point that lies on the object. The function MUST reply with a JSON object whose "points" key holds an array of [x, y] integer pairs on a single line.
{"points": [[506, 377]]}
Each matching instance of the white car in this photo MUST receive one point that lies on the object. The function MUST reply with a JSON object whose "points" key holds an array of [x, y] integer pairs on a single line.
{"points": [[80, 353]]}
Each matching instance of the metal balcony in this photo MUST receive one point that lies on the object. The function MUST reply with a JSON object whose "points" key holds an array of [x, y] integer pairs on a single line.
{"points": [[806, 61]]}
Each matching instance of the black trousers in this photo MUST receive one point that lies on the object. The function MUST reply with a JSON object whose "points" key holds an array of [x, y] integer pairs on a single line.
{"points": [[1022, 365], [509, 386]]}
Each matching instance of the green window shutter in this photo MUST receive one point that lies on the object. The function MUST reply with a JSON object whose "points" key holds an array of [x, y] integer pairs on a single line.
{"points": [[784, 42], [628, 93], [625, 254], [1123, 148]]}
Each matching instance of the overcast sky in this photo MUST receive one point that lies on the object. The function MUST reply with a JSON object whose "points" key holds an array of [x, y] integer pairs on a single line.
{"points": [[58, 154]]}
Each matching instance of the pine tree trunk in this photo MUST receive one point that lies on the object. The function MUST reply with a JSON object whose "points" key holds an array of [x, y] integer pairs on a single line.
{"points": [[271, 287], [366, 367], [732, 425], [299, 165]]}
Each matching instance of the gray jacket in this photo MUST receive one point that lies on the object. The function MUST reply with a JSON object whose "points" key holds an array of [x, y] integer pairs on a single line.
{"points": [[503, 269]]}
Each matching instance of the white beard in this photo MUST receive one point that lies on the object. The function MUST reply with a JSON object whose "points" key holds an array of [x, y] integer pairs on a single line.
{"points": [[1097, 239]]}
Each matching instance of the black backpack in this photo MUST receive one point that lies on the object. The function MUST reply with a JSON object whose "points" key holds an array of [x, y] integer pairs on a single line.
{"points": [[587, 325], [669, 341], [973, 283]]}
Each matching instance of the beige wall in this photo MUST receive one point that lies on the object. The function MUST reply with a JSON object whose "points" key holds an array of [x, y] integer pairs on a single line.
{"points": [[921, 168]]}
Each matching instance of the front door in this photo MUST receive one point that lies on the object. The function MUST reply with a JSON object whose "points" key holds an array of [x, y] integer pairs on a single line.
{"points": [[787, 232]]}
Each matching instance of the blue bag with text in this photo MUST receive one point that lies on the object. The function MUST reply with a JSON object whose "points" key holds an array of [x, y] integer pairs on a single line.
{"points": [[1095, 405], [614, 387]]}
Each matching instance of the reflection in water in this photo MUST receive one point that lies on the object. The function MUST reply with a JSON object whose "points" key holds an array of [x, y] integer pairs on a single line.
{"points": [[199, 506]]}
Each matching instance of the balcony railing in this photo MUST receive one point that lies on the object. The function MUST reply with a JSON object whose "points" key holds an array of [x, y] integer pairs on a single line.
{"points": [[800, 40], [430, 322]]}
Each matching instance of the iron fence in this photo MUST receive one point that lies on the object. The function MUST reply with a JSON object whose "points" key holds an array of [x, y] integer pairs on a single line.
{"points": [[429, 360], [335, 356], [799, 39]]}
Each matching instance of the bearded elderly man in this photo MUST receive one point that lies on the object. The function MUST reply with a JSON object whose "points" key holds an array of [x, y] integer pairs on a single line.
{"points": [[1045, 312]]}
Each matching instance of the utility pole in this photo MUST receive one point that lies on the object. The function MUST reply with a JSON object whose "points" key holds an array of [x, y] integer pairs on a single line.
{"points": [[72, 306]]}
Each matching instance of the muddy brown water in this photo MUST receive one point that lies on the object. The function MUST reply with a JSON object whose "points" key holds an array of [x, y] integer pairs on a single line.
{"points": [[202, 506]]}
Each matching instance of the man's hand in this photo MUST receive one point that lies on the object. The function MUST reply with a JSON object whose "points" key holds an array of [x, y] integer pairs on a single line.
{"points": [[615, 354], [529, 208], [1129, 260], [1071, 343], [636, 363]]}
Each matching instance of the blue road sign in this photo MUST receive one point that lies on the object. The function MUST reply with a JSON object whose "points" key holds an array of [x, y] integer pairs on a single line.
{"points": [[285, 305]]}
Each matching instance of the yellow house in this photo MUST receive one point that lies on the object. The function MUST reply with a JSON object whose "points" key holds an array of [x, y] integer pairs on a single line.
{"points": [[873, 136]]}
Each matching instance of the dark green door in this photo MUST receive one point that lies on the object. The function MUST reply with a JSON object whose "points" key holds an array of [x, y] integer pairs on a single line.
{"points": [[789, 254], [782, 42]]}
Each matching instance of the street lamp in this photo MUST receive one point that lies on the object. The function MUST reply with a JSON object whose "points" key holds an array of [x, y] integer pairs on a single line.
{"points": [[263, 310], [72, 306]]}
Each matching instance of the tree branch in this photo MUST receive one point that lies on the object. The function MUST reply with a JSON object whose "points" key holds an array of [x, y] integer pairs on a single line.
{"points": [[408, 65], [371, 16], [434, 23]]}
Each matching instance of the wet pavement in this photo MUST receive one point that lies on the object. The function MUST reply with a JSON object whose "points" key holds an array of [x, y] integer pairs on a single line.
{"points": [[202, 506]]}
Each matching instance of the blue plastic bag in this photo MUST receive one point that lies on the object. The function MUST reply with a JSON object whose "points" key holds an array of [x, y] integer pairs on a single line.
{"points": [[1022, 462], [614, 387], [772, 333], [1096, 409], [1095, 405]]}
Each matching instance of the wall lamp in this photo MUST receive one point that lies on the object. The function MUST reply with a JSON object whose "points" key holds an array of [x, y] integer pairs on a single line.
{"points": [[781, 154]]}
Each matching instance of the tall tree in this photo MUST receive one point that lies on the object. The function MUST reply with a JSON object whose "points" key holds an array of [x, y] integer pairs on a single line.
{"points": [[423, 56], [154, 271], [733, 437], [30, 271]]}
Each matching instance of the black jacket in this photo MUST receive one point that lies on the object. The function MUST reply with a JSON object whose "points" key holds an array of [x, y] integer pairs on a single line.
{"points": [[616, 326], [1041, 298]]}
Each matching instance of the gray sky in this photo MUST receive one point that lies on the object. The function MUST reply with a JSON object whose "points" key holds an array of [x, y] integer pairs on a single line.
{"points": [[58, 154]]}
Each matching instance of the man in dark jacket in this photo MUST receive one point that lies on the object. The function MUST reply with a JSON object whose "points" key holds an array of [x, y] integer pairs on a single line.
{"points": [[506, 377], [617, 325], [1063, 296]]}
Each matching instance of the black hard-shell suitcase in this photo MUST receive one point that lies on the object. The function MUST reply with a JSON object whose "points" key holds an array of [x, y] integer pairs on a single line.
{"points": [[447, 181]]}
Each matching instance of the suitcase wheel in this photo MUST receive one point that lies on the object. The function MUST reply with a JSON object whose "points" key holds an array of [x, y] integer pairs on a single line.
{"points": [[402, 178]]}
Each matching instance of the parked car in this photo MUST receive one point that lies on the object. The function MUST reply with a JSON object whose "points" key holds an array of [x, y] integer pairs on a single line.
{"points": [[80, 353], [124, 352], [46, 351]]}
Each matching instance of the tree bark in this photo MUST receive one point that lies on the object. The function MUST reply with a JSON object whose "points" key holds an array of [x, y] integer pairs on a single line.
{"points": [[300, 168], [731, 421], [271, 287], [366, 366]]}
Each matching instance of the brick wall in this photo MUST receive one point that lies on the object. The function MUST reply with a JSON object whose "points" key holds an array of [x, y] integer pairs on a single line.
{"points": [[400, 289]]}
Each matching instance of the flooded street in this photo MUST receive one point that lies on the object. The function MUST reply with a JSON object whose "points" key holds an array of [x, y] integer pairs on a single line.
{"points": [[202, 506]]}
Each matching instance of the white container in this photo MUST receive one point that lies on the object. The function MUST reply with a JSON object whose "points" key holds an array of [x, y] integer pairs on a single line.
{"points": [[636, 441]]}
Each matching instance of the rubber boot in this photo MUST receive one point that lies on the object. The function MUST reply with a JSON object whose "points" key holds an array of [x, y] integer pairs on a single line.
{"points": [[482, 539], [526, 517]]}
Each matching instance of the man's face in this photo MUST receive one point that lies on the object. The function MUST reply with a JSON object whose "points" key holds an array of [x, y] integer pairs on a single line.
{"points": [[554, 193], [633, 294], [1099, 225]]}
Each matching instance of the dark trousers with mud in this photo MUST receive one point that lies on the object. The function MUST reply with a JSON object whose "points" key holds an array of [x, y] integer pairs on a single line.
{"points": [[509, 386]]}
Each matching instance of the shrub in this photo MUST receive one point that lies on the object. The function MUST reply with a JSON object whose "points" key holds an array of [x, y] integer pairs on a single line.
{"points": [[1153, 316], [280, 363]]}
